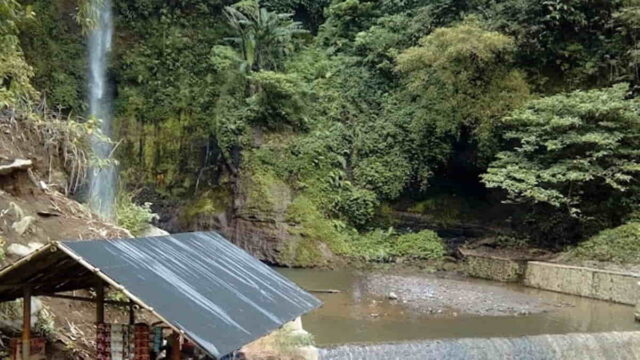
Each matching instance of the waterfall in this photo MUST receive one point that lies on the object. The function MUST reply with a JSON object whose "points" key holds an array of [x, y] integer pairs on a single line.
{"points": [[612, 345], [102, 176]]}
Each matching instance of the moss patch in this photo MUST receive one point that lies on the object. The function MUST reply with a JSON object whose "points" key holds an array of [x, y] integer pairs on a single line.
{"points": [[265, 195], [314, 236], [212, 201]]}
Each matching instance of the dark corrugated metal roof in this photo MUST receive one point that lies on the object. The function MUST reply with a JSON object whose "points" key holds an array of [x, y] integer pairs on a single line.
{"points": [[220, 296]]}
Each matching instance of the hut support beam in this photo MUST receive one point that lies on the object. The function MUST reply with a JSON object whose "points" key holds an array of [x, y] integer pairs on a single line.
{"points": [[100, 302], [174, 341], [132, 313], [26, 324]]}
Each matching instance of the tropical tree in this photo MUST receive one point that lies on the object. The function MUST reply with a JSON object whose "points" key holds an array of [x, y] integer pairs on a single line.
{"points": [[578, 152], [263, 37], [463, 80]]}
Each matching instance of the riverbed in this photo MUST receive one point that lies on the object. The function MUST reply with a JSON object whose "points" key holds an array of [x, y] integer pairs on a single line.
{"points": [[383, 307]]}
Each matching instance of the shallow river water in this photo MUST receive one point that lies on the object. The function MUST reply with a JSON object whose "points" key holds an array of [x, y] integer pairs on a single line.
{"points": [[355, 315]]}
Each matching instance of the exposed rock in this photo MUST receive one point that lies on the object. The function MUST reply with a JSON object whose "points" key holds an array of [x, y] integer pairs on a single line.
{"points": [[294, 325], [291, 342], [260, 238], [17, 210], [392, 296], [22, 225], [46, 213], [258, 218], [154, 231], [308, 353], [19, 250], [35, 245], [16, 165]]}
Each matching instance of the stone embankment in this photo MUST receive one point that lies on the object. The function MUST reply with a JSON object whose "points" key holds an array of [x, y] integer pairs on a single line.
{"points": [[616, 286]]}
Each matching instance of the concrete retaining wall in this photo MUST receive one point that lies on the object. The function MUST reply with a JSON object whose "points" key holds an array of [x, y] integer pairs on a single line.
{"points": [[593, 283], [493, 268]]}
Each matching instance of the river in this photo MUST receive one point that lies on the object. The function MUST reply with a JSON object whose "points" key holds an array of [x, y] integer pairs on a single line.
{"points": [[359, 314]]}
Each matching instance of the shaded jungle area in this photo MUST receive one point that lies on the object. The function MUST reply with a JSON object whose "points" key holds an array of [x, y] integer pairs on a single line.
{"points": [[311, 131]]}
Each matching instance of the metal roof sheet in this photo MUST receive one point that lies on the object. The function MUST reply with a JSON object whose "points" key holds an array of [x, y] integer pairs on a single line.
{"points": [[220, 296]]}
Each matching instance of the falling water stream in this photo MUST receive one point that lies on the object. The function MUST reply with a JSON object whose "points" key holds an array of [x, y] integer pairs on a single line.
{"points": [[103, 175]]}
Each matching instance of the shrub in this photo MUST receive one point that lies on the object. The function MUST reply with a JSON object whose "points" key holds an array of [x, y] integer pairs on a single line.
{"points": [[386, 175], [133, 217], [357, 206], [375, 246], [388, 246], [425, 245], [620, 244], [280, 102]]}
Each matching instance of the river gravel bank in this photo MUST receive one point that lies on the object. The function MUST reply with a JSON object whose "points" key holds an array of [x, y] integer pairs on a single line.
{"points": [[451, 296]]}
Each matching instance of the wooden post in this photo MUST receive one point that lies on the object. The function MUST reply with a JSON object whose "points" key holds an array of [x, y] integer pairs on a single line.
{"points": [[100, 302], [132, 313], [174, 341], [26, 324]]}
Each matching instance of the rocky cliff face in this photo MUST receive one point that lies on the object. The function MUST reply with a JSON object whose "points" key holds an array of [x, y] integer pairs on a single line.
{"points": [[255, 218], [259, 217]]}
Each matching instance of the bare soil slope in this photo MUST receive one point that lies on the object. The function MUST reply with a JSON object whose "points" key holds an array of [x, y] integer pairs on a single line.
{"points": [[40, 164]]}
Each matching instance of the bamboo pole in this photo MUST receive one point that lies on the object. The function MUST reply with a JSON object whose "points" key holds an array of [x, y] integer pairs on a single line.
{"points": [[87, 299], [26, 324]]}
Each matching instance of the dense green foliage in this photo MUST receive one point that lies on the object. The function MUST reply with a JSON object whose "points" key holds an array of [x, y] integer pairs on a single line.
{"points": [[464, 76], [62, 136], [15, 73], [322, 114], [579, 152], [387, 245], [620, 245]]}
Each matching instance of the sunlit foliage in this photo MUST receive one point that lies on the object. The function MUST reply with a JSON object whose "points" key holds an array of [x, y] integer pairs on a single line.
{"points": [[578, 152]]}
